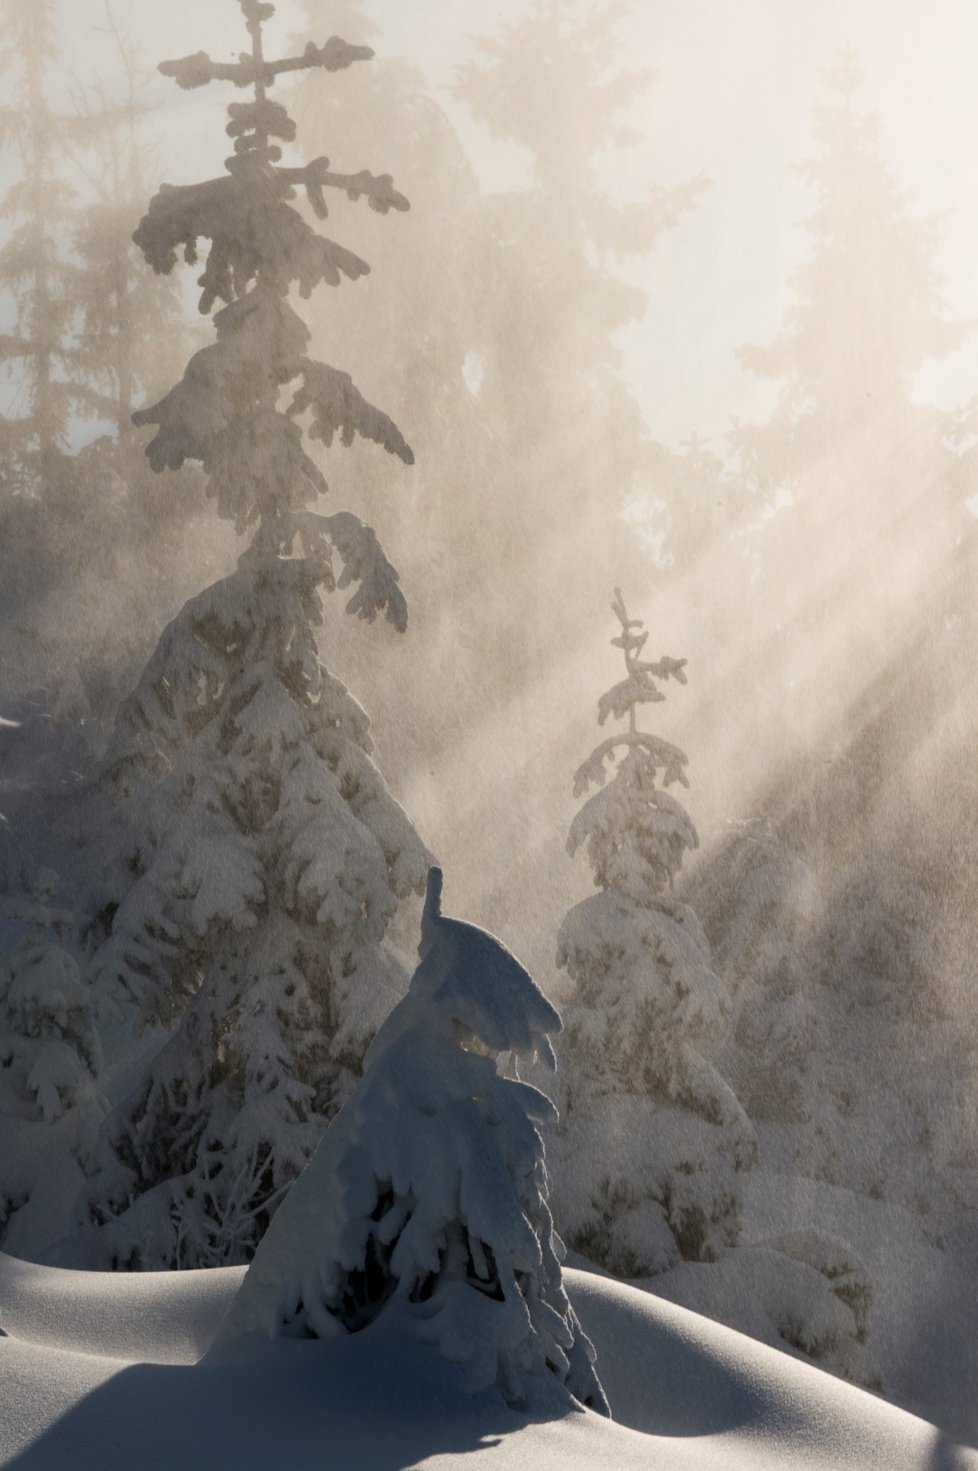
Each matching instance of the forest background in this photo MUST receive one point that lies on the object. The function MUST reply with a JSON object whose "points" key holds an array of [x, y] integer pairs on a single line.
{"points": [[633, 343]]}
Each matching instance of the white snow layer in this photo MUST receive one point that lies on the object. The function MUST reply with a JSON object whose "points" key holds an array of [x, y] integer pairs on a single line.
{"points": [[98, 1372]]}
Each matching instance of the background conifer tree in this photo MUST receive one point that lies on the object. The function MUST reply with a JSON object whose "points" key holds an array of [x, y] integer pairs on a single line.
{"points": [[552, 383], [652, 1138], [847, 442], [835, 901], [264, 857], [50, 1059], [545, 319], [33, 263], [131, 336], [82, 588]]}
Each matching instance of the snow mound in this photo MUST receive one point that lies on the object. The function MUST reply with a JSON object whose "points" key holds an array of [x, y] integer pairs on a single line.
{"points": [[97, 1374], [150, 1317]]}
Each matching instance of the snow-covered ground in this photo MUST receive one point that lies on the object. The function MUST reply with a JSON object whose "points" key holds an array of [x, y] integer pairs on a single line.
{"points": [[99, 1372]]}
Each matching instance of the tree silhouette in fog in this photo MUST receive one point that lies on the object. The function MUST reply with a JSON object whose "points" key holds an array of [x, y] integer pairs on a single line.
{"points": [[87, 575], [868, 313], [556, 82], [34, 264], [441, 517], [853, 487], [131, 335], [652, 1137], [832, 902]]}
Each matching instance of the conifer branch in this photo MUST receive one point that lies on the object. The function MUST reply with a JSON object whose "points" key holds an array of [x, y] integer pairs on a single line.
{"points": [[199, 69]]}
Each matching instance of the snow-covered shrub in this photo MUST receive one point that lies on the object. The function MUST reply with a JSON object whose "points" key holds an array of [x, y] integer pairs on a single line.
{"points": [[762, 904], [836, 1261], [804, 1289], [49, 1049], [428, 1195], [652, 1137], [50, 1105], [262, 857]]}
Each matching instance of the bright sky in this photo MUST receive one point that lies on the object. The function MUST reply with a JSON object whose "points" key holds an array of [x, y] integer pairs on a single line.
{"points": [[732, 96]]}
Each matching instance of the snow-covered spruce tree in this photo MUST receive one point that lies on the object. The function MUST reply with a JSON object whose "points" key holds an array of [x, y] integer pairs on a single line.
{"points": [[264, 857], [427, 1198], [652, 1137]]}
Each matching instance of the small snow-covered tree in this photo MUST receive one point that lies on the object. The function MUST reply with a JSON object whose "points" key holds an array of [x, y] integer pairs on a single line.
{"points": [[50, 1058], [264, 857], [49, 1048], [428, 1195], [652, 1138]]}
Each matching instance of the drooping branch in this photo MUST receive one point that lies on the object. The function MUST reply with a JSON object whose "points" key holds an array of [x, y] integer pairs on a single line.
{"points": [[225, 412], [338, 407], [364, 563], [663, 754], [246, 237]]}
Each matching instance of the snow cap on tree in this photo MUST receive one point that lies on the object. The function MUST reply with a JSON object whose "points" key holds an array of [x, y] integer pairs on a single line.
{"points": [[428, 1194], [636, 834], [224, 410]]}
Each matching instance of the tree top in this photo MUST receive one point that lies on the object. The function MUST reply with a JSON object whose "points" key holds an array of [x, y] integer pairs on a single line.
{"points": [[254, 69]]}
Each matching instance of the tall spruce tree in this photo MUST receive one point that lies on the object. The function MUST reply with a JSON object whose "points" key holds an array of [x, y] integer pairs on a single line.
{"points": [[552, 384], [652, 1138], [33, 264], [264, 857]]}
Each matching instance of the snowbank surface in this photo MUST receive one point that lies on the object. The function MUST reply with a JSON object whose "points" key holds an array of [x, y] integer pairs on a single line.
{"points": [[98, 1372]]}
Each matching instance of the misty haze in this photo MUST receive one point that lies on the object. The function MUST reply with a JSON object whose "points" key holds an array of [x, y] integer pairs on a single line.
{"points": [[488, 812]]}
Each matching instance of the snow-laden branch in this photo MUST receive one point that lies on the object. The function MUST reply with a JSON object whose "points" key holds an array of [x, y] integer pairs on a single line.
{"points": [[624, 696], [198, 69], [663, 755], [314, 177], [338, 406], [364, 563], [261, 116], [251, 229]]}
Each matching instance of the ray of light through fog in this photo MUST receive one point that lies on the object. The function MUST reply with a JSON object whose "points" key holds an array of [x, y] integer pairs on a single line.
{"points": [[684, 305], [730, 96]]}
